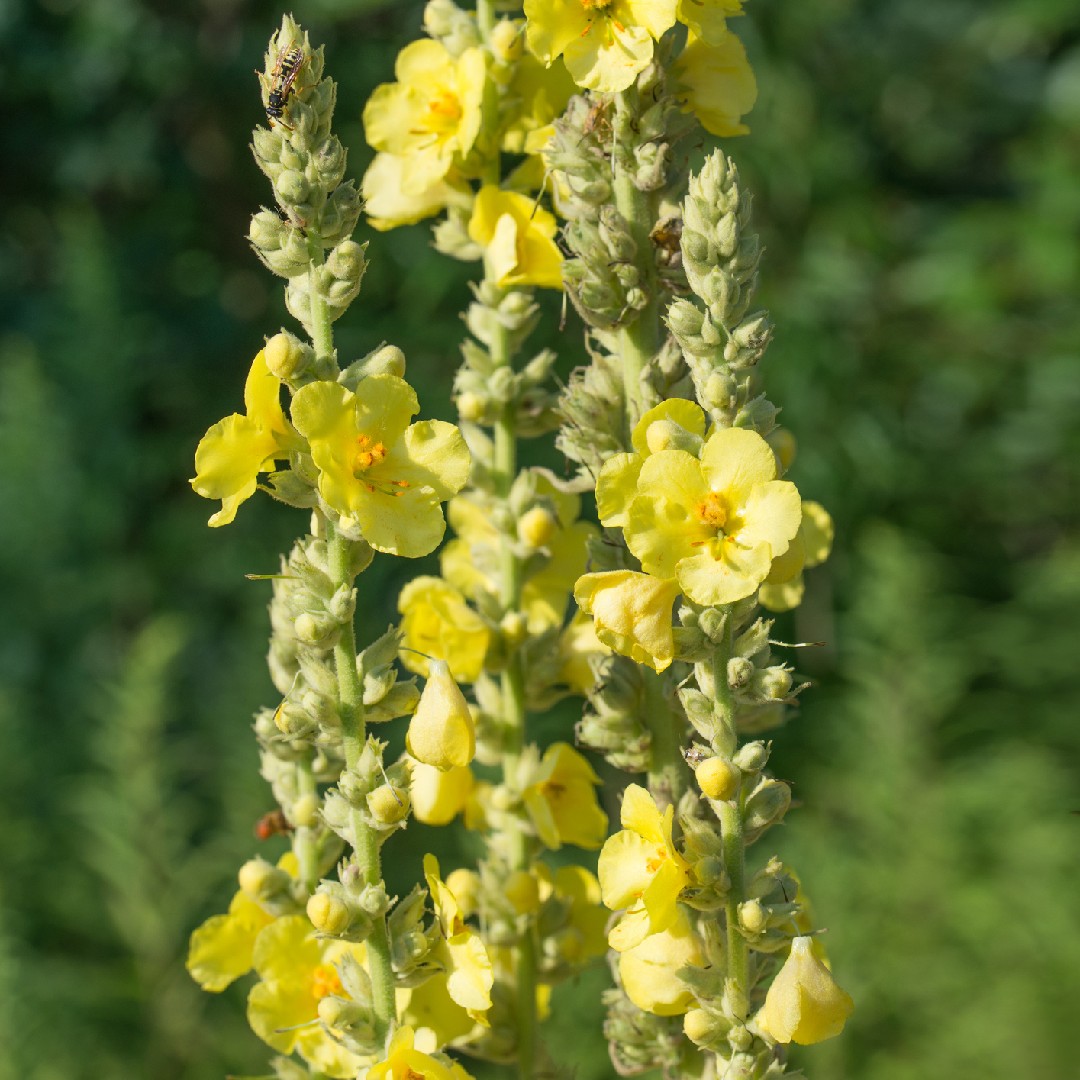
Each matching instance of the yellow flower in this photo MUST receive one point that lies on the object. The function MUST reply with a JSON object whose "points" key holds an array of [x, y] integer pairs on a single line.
{"points": [[432, 1013], [577, 646], [518, 238], [649, 971], [605, 43], [441, 731], [461, 950], [783, 588], [632, 613], [432, 115], [297, 970], [404, 1061], [718, 84], [641, 871], [221, 950], [585, 933], [714, 524], [470, 562], [392, 198], [804, 1005], [539, 95], [436, 620], [378, 469], [235, 450], [439, 795], [561, 800], [708, 18]]}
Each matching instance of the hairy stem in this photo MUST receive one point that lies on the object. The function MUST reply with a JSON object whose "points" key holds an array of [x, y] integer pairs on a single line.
{"points": [[731, 822], [513, 700]]}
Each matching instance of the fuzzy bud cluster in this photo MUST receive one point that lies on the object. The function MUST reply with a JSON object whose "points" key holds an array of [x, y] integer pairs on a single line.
{"points": [[721, 339], [317, 210]]}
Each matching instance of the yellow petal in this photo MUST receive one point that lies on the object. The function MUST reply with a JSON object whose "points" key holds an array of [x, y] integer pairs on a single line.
{"points": [[804, 1005], [718, 83], [689, 415], [735, 461], [648, 970], [441, 732], [616, 486], [438, 795]]}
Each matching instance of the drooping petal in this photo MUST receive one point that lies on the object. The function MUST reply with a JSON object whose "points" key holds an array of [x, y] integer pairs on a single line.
{"points": [[228, 460], [711, 581], [616, 486], [623, 868], [640, 813], [718, 83], [221, 949], [632, 614], [804, 1004], [649, 971]]}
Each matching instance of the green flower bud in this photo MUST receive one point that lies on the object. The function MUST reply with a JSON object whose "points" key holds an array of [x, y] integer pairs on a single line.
{"points": [[316, 629], [291, 187], [739, 672], [752, 757], [767, 805]]}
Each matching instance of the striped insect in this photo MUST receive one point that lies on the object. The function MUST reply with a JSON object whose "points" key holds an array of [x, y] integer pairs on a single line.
{"points": [[283, 77]]}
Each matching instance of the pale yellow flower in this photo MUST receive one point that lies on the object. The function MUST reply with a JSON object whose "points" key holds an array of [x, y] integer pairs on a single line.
{"points": [[436, 621], [649, 971], [804, 1005], [718, 85], [439, 795], [641, 872], [441, 732], [605, 43], [517, 237], [560, 797]]}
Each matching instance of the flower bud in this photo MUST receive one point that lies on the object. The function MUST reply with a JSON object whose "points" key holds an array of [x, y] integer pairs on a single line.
{"points": [[506, 42], [752, 916], [292, 187], [328, 914], [718, 779], [465, 885], [441, 732], [739, 672], [261, 881], [515, 628], [285, 355], [702, 1028], [522, 891], [388, 804], [752, 757], [316, 629], [537, 526], [373, 900], [471, 406], [305, 811], [804, 1005], [773, 683], [784, 446], [767, 805]]}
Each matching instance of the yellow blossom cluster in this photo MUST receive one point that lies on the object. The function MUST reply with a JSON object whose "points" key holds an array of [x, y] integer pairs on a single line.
{"points": [[376, 472]]}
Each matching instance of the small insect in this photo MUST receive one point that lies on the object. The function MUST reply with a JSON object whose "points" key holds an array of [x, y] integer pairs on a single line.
{"points": [[272, 823], [283, 76]]}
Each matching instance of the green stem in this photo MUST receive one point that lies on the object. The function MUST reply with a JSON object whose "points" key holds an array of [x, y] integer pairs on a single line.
{"points": [[322, 333], [731, 821], [485, 17], [351, 708], [513, 700], [639, 342]]}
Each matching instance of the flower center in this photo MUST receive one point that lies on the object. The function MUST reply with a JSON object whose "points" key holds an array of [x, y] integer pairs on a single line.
{"points": [[596, 5], [324, 982], [367, 454], [712, 510], [444, 112], [659, 858]]}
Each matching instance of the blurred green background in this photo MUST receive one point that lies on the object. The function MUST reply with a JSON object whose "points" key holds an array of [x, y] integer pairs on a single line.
{"points": [[917, 175]]}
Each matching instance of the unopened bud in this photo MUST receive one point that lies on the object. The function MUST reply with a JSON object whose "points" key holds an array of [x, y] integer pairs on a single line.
{"points": [[739, 672], [701, 1027], [284, 355], [305, 811], [752, 757], [328, 914], [768, 804], [752, 916], [514, 627], [523, 892], [718, 778], [506, 41], [470, 406], [465, 885], [537, 527], [261, 881], [388, 804]]}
